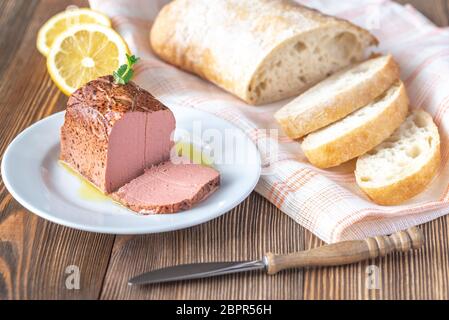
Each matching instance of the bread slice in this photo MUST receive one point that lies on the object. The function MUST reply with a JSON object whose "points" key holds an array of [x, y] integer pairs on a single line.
{"points": [[359, 132], [402, 166], [338, 96], [272, 49]]}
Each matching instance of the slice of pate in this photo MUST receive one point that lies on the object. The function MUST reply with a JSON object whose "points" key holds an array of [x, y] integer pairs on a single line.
{"points": [[168, 188]]}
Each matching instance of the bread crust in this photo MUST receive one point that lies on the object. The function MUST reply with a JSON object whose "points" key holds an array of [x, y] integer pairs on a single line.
{"points": [[363, 138], [406, 188], [297, 123], [409, 185], [196, 36]]}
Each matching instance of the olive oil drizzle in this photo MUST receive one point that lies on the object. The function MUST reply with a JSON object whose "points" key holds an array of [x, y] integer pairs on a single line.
{"points": [[88, 191]]}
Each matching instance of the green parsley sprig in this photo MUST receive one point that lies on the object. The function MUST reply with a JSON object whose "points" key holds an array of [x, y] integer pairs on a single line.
{"points": [[125, 72]]}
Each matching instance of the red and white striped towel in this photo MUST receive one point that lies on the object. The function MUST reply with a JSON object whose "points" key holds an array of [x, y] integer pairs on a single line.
{"points": [[327, 202]]}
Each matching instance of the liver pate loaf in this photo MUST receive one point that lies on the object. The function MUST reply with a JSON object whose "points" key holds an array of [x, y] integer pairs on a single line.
{"points": [[113, 132], [259, 50]]}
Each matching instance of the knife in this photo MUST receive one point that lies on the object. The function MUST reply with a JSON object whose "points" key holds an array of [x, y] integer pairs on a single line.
{"points": [[336, 254]]}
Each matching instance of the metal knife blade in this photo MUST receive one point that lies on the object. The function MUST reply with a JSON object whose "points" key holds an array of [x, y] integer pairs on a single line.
{"points": [[195, 271]]}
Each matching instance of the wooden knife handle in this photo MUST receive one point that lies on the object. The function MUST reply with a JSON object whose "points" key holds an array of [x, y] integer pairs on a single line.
{"points": [[347, 252]]}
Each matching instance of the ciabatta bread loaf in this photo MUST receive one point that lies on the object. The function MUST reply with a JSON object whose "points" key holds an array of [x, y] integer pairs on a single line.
{"points": [[359, 132], [402, 166], [338, 96], [259, 50]]}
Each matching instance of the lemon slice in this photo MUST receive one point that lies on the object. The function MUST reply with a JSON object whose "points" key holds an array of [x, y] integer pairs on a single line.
{"points": [[63, 21], [83, 53]]}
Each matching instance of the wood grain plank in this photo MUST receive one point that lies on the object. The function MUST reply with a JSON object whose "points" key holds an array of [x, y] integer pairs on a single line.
{"points": [[416, 275], [436, 10], [246, 233], [12, 28], [34, 253]]}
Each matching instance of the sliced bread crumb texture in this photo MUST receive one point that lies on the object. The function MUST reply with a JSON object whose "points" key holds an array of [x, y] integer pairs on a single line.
{"points": [[403, 165], [303, 61], [359, 132], [338, 96]]}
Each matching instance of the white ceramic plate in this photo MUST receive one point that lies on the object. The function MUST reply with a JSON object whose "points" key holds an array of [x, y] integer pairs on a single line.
{"points": [[32, 174]]}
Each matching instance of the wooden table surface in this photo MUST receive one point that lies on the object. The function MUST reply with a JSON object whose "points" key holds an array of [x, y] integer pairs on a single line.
{"points": [[35, 253]]}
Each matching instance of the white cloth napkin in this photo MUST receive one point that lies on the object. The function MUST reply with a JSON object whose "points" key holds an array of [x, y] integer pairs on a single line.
{"points": [[327, 202]]}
